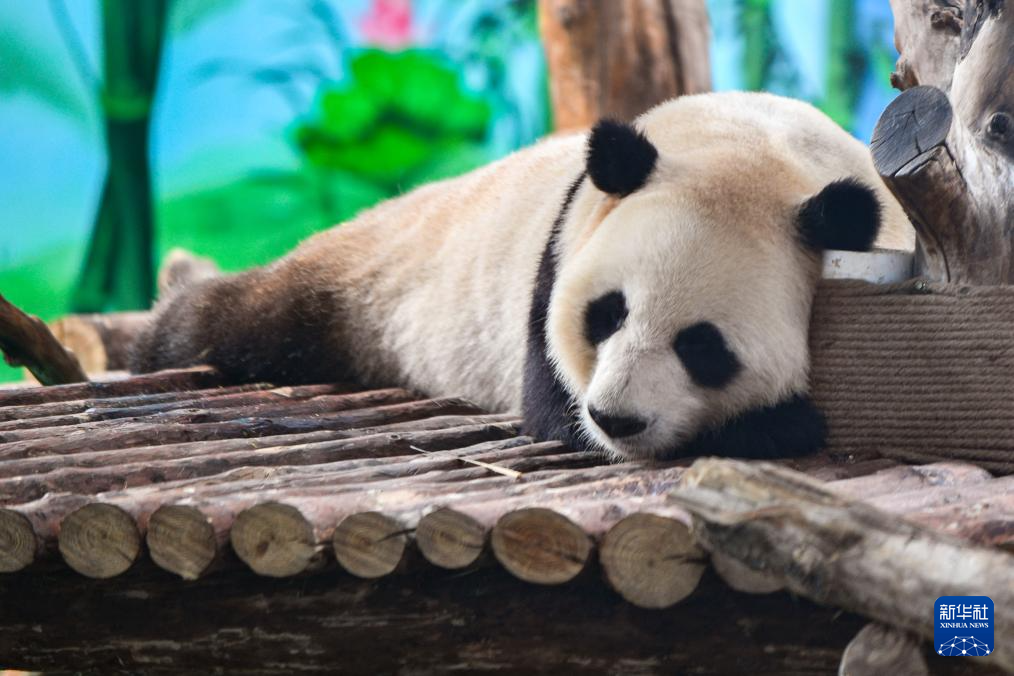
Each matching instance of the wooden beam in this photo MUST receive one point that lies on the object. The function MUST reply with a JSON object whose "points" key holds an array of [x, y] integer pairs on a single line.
{"points": [[432, 622]]}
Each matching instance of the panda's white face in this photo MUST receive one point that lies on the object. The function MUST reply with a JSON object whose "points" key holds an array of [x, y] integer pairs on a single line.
{"points": [[671, 315]]}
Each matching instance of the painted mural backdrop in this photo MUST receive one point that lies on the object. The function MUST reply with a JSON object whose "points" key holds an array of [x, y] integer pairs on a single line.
{"points": [[266, 121]]}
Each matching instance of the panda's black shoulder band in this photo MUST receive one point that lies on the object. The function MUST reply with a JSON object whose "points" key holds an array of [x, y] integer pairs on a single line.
{"points": [[620, 158]]}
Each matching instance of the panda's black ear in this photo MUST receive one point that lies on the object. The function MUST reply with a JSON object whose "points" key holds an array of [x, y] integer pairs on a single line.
{"points": [[845, 215], [620, 158]]}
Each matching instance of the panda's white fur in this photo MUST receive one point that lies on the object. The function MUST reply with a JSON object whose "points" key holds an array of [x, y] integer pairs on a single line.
{"points": [[433, 290]]}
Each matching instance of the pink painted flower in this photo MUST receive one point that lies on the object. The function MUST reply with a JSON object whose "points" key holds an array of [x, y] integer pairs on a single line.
{"points": [[388, 23]]}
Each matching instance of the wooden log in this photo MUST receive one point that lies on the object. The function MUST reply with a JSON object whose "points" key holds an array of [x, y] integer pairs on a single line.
{"points": [[842, 552], [946, 148], [281, 464], [450, 539], [101, 342], [125, 434], [277, 540], [370, 552], [101, 459], [591, 508], [57, 408], [911, 478], [99, 540], [916, 501], [270, 546], [183, 540], [881, 649], [46, 513], [618, 59], [264, 406], [987, 522], [26, 341], [209, 519], [828, 467], [196, 378], [540, 546], [652, 560], [17, 541], [406, 503], [745, 578], [369, 544], [891, 483], [228, 398]]}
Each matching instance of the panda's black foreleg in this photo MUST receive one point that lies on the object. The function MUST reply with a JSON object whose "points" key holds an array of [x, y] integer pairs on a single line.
{"points": [[789, 429]]}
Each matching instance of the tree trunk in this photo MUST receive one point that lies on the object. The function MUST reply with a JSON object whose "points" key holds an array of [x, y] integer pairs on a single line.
{"points": [[945, 147], [618, 59], [118, 272]]}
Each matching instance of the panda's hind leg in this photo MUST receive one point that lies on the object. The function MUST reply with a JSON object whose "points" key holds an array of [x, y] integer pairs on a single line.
{"points": [[260, 325]]}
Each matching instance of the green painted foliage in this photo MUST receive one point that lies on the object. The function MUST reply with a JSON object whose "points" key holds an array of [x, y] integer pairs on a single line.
{"points": [[395, 120], [30, 66]]}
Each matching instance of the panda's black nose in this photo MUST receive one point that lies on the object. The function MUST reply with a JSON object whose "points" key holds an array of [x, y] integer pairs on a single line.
{"points": [[617, 426]]}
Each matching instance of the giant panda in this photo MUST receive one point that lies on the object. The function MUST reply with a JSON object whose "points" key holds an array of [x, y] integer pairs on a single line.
{"points": [[642, 290]]}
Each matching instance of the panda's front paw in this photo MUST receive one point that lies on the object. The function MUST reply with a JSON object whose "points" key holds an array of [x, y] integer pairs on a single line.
{"points": [[789, 429]]}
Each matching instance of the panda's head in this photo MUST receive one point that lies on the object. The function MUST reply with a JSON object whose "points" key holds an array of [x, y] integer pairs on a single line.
{"points": [[679, 316]]}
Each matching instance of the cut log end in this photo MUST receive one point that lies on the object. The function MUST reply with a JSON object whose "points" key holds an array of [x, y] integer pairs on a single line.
{"points": [[914, 124], [879, 649], [540, 546], [652, 561], [369, 545], [99, 540], [275, 540], [182, 540], [743, 578], [17, 542], [449, 539]]}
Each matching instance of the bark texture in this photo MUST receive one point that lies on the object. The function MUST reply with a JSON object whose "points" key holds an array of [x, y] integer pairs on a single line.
{"points": [[26, 341], [618, 59], [945, 147], [843, 552]]}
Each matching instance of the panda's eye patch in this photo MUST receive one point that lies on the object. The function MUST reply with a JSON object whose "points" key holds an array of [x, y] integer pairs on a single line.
{"points": [[604, 316], [709, 361]]}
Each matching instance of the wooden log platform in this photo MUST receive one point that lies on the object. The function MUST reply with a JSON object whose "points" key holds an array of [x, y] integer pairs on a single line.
{"points": [[214, 524]]}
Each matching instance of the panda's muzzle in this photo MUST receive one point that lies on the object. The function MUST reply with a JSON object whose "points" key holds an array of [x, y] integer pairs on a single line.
{"points": [[617, 426]]}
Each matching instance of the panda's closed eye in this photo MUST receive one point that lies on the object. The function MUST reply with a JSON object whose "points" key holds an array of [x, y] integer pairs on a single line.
{"points": [[604, 316], [709, 361]]}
